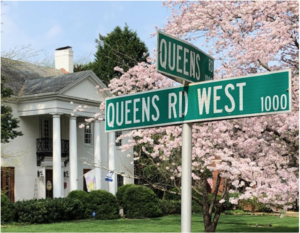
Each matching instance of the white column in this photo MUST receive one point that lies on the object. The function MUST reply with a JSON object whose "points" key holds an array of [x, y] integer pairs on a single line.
{"points": [[97, 153], [57, 172], [186, 178], [111, 162], [73, 154]]}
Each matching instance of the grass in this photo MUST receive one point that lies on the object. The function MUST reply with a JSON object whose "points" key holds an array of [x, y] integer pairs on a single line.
{"points": [[227, 223]]}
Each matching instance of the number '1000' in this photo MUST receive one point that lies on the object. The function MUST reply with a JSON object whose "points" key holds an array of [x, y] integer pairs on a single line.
{"points": [[268, 103]]}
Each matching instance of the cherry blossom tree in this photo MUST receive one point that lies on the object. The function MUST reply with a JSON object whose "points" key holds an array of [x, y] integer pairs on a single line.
{"points": [[255, 157]]}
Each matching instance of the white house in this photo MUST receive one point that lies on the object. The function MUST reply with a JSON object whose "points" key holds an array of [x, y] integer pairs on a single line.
{"points": [[49, 159]]}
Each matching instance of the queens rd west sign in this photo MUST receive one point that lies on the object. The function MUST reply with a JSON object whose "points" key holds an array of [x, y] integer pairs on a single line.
{"points": [[182, 61], [259, 94]]}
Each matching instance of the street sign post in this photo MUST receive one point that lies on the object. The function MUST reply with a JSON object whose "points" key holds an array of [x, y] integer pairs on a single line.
{"points": [[185, 64], [255, 95], [259, 94], [182, 61]]}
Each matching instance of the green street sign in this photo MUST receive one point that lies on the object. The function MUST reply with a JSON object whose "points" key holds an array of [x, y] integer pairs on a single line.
{"points": [[260, 94], [182, 61]]}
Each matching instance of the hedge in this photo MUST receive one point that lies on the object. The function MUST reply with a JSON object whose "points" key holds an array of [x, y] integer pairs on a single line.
{"points": [[170, 207], [48, 210], [141, 202], [121, 192], [103, 203], [79, 195], [7, 209]]}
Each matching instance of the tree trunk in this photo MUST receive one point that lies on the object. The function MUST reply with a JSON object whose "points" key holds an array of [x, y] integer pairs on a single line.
{"points": [[210, 223], [210, 228]]}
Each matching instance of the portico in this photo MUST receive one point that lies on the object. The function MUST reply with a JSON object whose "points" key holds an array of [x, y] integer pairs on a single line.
{"points": [[57, 145], [51, 153]]}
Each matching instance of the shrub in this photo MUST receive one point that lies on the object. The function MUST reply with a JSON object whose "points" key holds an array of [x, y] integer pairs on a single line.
{"points": [[48, 210], [233, 212], [141, 202], [253, 205], [261, 207], [103, 203], [228, 204], [31, 211], [66, 209], [174, 197], [120, 193], [196, 208], [79, 195], [170, 207], [7, 209]]}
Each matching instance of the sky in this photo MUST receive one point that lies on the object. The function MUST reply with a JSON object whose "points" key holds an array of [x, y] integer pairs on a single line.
{"points": [[48, 25]]}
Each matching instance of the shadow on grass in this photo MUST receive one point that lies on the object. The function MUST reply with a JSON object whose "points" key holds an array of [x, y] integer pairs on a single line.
{"points": [[235, 228]]}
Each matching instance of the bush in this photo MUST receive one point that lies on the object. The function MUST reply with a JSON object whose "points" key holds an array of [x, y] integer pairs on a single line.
{"points": [[7, 209], [228, 204], [233, 212], [120, 193], [67, 209], [141, 202], [170, 207], [79, 195], [48, 210], [196, 208], [31, 211], [173, 197], [253, 205], [103, 203]]}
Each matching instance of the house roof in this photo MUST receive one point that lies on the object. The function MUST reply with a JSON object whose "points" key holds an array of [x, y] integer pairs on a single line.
{"points": [[17, 73], [51, 84], [28, 79]]}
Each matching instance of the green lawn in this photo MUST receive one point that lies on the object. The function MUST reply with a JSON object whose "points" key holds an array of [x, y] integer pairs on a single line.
{"points": [[228, 223]]}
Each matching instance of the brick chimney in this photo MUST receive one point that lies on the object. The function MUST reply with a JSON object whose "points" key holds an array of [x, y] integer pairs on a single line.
{"points": [[64, 59]]}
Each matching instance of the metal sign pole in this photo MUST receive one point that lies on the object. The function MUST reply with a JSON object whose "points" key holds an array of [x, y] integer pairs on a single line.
{"points": [[186, 178]]}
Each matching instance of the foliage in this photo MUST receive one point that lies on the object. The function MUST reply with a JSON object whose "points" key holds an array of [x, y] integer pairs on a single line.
{"points": [[253, 205], [103, 203], [121, 193], [48, 210], [141, 202], [170, 206], [83, 67], [196, 207], [171, 196], [8, 122], [233, 212], [78, 194], [121, 48], [228, 204], [7, 209]]}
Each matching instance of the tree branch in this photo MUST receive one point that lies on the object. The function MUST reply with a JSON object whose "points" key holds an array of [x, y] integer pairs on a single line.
{"points": [[215, 193], [264, 65]]}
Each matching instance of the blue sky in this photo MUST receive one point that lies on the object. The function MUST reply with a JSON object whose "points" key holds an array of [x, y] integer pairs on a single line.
{"points": [[47, 25]]}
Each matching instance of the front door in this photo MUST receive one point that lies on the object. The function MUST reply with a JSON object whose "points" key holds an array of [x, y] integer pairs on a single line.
{"points": [[49, 183]]}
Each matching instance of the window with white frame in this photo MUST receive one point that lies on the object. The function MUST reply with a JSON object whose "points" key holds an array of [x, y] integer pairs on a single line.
{"points": [[46, 127], [88, 137], [118, 134]]}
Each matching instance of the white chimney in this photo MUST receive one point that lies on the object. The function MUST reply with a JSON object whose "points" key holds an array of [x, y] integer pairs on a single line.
{"points": [[64, 59]]}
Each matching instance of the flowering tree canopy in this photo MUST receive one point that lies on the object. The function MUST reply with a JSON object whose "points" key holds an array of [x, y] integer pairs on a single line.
{"points": [[250, 37], [256, 157]]}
